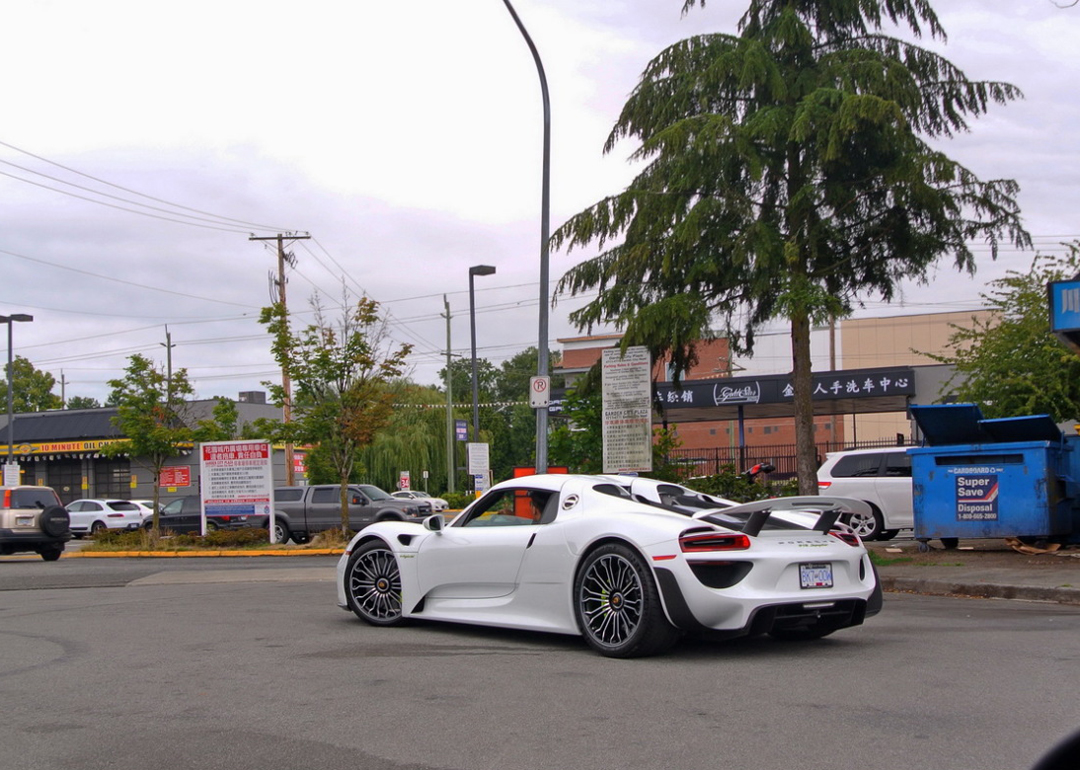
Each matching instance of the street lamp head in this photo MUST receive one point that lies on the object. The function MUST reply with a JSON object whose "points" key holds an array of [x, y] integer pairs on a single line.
{"points": [[481, 270], [4, 319]]}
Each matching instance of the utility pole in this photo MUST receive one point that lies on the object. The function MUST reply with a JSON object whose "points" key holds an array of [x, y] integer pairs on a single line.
{"points": [[168, 345], [451, 469], [286, 382], [63, 390]]}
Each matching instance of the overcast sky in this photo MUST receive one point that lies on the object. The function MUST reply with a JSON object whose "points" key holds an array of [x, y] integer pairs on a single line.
{"points": [[405, 137]]}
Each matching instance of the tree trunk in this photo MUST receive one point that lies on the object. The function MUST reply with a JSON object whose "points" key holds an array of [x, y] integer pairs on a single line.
{"points": [[803, 386], [344, 481]]}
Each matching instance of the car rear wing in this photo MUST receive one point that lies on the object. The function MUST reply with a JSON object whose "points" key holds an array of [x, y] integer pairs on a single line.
{"points": [[829, 510]]}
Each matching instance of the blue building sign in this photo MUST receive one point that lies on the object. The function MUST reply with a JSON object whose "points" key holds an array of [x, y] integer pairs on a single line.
{"points": [[1065, 312]]}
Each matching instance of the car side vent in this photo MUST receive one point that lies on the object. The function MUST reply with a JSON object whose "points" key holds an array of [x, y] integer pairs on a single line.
{"points": [[405, 539]]}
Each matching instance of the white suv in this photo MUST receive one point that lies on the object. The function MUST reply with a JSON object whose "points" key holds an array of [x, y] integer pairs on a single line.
{"points": [[880, 477]]}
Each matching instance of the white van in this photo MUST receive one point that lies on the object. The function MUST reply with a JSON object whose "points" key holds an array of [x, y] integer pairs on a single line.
{"points": [[880, 477]]}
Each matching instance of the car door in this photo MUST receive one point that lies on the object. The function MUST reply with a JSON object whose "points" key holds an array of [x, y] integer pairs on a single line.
{"points": [[323, 510], [78, 515], [480, 556], [894, 491]]}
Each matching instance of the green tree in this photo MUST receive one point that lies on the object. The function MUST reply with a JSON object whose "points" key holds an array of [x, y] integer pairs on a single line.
{"points": [[151, 412], [83, 402], [340, 371], [414, 440], [788, 170], [223, 424], [31, 388], [1011, 364]]}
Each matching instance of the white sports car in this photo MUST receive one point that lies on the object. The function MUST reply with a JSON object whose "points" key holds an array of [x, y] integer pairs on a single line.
{"points": [[578, 555]]}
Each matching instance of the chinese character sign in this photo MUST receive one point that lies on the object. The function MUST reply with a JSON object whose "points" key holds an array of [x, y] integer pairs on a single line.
{"points": [[627, 413]]}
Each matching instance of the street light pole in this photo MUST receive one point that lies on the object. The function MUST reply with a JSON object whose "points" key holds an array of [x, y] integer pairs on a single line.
{"points": [[474, 271], [545, 228], [10, 321]]}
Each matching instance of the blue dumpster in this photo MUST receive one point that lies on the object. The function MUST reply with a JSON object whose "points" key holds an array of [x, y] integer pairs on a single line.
{"points": [[980, 478]]}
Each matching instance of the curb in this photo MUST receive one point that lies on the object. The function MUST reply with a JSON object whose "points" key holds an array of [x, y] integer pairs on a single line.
{"points": [[198, 554], [1058, 595]]}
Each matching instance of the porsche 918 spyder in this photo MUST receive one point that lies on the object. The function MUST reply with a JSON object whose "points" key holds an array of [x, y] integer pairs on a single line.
{"points": [[579, 555]]}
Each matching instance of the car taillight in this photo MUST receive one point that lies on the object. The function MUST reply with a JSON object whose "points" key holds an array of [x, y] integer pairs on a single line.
{"points": [[824, 484], [7, 498], [114, 515], [713, 541], [848, 537]]}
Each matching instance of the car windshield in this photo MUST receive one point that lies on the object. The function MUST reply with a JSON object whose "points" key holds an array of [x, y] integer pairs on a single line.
{"points": [[374, 493]]}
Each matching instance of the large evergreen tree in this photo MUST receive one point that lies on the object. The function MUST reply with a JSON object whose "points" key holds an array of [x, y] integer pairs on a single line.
{"points": [[789, 170]]}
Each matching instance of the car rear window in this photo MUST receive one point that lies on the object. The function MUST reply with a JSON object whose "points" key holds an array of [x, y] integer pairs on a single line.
{"points": [[856, 465], [122, 505], [33, 498], [288, 495]]}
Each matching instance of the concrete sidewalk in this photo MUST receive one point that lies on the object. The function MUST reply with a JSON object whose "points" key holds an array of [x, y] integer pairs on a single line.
{"points": [[982, 568]]}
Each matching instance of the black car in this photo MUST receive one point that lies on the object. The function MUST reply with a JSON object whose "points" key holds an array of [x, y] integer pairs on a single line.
{"points": [[184, 515]]}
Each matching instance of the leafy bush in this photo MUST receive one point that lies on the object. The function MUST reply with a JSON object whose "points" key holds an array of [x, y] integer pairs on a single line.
{"points": [[458, 500], [332, 538], [735, 486], [144, 540]]}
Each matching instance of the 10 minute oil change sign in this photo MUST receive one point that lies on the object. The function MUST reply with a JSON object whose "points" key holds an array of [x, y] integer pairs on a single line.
{"points": [[977, 493]]}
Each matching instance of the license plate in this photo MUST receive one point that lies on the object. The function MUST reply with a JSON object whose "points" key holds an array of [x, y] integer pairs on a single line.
{"points": [[815, 575]]}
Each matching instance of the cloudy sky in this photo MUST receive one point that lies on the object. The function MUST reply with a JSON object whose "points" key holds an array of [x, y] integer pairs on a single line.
{"points": [[141, 148]]}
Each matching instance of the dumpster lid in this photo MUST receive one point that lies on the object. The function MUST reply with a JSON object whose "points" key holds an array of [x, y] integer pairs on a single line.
{"points": [[1035, 427], [949, 423]]}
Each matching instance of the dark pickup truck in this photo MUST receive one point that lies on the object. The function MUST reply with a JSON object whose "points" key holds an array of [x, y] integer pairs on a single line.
{"points": [[300, 512]]}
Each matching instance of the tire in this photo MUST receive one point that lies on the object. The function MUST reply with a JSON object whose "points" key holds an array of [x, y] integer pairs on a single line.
{"points": [[211, 526], [54, 521], [800, 634], [97, 528], [887, 534], [52, 552], [281, 531], [617, 605], [867, 527], [373, 585], [950, 543], [300, 539]]}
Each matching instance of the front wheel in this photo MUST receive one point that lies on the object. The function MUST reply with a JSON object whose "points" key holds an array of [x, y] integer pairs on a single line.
{"points": [[617, 605], [373, 585]]}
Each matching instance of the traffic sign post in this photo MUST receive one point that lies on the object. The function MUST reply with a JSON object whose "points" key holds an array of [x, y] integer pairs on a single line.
{"points": [[539, 392]]}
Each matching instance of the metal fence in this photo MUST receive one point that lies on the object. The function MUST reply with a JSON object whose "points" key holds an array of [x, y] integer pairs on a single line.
{"points": [[708, 462]]}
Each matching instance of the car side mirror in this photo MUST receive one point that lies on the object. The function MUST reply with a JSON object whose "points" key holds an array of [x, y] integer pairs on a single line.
{"points": [[434, 522], [357, 500]]}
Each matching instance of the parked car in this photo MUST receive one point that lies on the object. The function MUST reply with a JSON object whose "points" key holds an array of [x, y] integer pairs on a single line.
{"points": [[301, 512], [32, 519], [184, 515], [438, 505], [881, 478], [577, 555], [146, 507], [88, 517]]}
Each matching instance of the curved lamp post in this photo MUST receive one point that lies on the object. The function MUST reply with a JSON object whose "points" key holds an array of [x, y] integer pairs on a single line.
{"points": [[474, 271], [545, 216]]}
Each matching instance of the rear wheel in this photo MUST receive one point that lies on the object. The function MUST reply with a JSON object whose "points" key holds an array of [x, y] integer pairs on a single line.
{"points": [[281, 531], [867, 526], [211, 526], [617, 605], [51, 552], [373, 584], [97, 528]]}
